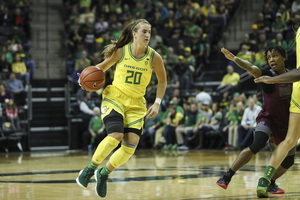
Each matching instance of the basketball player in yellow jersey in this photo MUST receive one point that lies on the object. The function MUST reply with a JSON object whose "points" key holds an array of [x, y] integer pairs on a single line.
{"points": [[293, 133], [123, 106]]}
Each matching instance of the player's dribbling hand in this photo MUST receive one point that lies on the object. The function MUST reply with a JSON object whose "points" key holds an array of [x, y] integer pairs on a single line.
{"points": [[152, 111], [264, 79], [79, 80]]}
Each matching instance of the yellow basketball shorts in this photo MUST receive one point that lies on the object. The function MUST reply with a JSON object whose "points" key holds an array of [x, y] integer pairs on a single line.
{"points": [[133, 110], [295, 101]]}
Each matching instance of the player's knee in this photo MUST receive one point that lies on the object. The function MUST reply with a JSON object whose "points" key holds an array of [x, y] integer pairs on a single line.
{"points": [[118, 136], [288, 161], [255, 148]]}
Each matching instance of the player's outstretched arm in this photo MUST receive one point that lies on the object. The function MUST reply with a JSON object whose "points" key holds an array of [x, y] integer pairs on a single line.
{"points": [[254, 70], [160, 72], [288, 77]]}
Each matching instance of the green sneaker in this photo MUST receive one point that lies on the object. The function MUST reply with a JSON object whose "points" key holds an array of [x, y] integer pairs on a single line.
{"points": [[84, 177], [262, 188], [101, 186], [174, 147]]}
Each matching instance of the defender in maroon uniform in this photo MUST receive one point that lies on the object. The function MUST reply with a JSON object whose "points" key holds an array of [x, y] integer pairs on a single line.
{"points": [[272, 121]]}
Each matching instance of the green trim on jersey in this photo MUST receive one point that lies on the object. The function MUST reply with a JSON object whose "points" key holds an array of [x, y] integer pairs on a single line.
{"points": [[134, 122], [112, 102], [123, 54], [296, 104], [137, 59], [151, 58]]}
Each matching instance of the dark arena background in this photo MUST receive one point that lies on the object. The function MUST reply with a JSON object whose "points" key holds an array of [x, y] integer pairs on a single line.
{"points": [[45, 116]]}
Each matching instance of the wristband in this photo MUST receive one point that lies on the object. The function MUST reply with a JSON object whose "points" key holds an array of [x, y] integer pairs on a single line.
{"points": [[158, 100]]}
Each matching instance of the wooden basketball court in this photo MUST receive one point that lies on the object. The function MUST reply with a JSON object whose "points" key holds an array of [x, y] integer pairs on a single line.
{"points": [[148, 174]]}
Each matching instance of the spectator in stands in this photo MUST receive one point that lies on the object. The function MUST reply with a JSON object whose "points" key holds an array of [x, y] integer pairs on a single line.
{"points": [[269, 14], [169, 23], [139, 12], [177, 30], [279, 40], [75, 74], [285, 14], [4, 93], [88, 14], [197, 50], [250, 45], [179, 50], [261, 23], [190, 29], [25, 57], [19, 67], [203, 40], [208, 9], [12, 115], [248, 124], [172, 121], [6, 18], [189, 58], [204, 119], [83, 58], [89, 40], [279, 26], [96, 131], [16, 86], [183, 72], [73, 39], [230, 80], [172, 58], [224, 100], [163, 11], [295, 8], [212, 125], [262, 42], [72, 19], [202, 96], [254, 61], [8, 54], [160, 46], [190, 121], [117, 30], [101, 26], [5, 67], [244, 53], [154, 38]]}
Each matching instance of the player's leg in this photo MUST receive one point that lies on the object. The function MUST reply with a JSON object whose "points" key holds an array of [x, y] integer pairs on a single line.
{"points": [[115, 128], [260, 139], [133, 121], [118, 158], [280, 153], [112, 115], [285, 165]]}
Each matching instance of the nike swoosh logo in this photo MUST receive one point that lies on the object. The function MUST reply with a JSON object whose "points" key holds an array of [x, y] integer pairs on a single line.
{"points": [[95, 85]]}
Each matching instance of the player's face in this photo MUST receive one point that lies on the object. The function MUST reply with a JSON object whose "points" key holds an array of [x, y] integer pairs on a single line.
{"points": [[143, 33], [275, 60]]}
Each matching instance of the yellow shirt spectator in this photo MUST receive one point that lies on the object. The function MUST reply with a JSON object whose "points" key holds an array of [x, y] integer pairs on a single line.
{"points": [[231, 78]]}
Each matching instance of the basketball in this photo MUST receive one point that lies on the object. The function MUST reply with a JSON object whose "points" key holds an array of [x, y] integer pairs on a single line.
{"points": [[92, 78]]}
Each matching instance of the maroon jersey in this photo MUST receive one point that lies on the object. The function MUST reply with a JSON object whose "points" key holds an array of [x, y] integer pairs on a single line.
{"points": [[275, 109]]}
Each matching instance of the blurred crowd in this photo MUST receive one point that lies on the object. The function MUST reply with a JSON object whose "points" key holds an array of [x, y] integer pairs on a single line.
{"points": [[183, 32], [16, 64]]}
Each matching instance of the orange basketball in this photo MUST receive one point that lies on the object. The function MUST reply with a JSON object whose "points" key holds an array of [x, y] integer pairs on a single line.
{"points": [[92, 78]]}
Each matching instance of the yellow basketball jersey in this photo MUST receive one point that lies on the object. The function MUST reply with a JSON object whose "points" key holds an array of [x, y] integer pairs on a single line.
{"points": [[133, 75], [295, 101], [298, 47]]}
